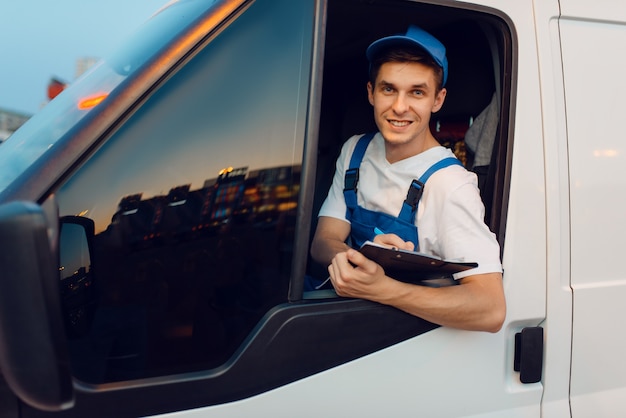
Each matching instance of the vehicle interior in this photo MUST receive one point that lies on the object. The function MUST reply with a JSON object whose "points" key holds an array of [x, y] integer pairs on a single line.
{"points": [[475, 88]]}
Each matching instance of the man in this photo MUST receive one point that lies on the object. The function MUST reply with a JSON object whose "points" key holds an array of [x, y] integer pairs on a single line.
{"points": [[407, 78]]}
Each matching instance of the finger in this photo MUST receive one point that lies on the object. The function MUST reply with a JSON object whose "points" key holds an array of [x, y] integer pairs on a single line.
{"points": [[408, 245], [360, 261], [385, 239], [338, 259], [339, 266], [336, 278], [331, 271], [391, 240], [394, 241]]}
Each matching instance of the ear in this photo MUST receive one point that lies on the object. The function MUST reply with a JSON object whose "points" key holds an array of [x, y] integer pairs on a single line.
{"points": [[441, 97], [370, 92]]}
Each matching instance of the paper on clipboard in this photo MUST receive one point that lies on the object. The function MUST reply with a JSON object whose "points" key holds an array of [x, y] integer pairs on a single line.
{"points": [[411, 266]]}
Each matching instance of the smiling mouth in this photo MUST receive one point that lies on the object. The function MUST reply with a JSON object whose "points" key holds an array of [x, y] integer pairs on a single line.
{"points": [[399, 123]]}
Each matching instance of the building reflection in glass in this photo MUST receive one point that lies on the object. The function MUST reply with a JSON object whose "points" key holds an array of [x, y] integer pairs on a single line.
{"points": [[183, 277]]}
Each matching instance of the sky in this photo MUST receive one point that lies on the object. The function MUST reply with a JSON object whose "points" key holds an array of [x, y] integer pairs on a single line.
{"points": [[43, 39]]}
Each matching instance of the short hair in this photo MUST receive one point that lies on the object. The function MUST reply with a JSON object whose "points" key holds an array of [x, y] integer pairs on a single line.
{"points": [[405, 54]]}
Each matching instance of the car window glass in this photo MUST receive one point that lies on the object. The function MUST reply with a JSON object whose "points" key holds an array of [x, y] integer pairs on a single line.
{"points": [[194, 202]]}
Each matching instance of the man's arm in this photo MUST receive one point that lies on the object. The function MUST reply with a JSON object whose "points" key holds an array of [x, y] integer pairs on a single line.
{"points": [[476, 304], [330, 239]]}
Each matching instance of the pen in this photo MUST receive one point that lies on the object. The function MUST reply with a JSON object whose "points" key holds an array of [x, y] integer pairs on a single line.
{"points": [[319, 286]]}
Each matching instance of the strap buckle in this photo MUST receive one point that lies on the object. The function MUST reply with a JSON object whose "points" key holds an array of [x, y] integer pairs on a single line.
{"points": [[351, 179], [414, 194]]}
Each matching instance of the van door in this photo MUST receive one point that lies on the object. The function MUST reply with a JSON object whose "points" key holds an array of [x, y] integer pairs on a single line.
{"points": [[437, 372], [596, 151]]}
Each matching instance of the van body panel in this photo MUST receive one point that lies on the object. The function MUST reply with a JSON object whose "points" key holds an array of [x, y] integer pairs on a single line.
{"points": [[602, 10], [596, 154], [558, 323], [368, 386]]}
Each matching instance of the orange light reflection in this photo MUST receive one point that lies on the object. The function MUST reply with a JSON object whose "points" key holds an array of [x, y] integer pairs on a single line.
{"points": [[89, 102]]}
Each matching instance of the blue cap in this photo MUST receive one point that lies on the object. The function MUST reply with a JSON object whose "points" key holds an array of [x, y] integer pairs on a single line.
{"points": [[416, 37]]}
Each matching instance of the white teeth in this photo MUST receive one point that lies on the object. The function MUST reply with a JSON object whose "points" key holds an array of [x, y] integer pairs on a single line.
{"points": [[398, 123]]}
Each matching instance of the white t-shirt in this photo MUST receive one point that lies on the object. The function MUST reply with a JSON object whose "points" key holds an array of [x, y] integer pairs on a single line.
{"points": [[450, 213]]}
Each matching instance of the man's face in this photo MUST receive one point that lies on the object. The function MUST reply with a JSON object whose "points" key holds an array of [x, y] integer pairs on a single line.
{"points": [[404, 97]]}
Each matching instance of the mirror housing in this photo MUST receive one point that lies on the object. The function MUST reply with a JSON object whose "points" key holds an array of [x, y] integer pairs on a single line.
{"points": [[33, 349]]}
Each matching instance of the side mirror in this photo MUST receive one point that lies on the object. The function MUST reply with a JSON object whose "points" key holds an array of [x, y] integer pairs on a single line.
{"points": [[33, 348], [77, 289]]}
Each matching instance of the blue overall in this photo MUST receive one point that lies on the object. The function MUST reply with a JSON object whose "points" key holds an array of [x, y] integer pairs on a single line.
{"points": [[367, 223]]}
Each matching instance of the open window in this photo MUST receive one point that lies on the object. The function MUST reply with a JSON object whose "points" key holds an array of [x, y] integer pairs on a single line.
{"points": [[474, 121]]}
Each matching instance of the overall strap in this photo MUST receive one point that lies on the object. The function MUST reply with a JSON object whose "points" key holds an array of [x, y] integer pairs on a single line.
{"points": [[409, 207], [351, 177]]}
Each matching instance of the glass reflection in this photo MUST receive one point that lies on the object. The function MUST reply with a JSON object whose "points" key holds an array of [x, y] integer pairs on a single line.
{"points": [[194, 200]]}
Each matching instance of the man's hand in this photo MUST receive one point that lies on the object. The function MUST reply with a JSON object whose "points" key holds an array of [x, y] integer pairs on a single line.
{"points": [[394, 241], [354, 275]]}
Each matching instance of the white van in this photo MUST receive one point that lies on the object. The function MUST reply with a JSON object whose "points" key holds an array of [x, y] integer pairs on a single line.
{"points": [[156, 217]]}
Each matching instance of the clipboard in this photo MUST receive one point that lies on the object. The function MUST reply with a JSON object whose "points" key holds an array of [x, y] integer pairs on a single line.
{"points": [[411, 266]]}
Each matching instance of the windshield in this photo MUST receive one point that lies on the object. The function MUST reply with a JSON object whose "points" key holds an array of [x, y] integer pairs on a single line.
{"points": [[54, 121]]}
